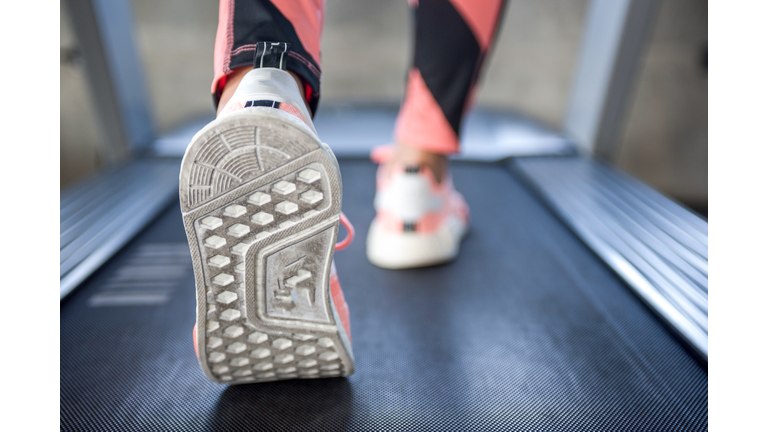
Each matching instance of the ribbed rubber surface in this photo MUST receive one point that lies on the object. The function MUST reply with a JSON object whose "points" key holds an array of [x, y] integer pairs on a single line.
{"points": [[527, 330], [659, 248]]}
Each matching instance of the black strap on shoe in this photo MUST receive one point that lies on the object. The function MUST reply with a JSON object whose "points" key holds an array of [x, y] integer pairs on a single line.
{"points": [[271, 55]]}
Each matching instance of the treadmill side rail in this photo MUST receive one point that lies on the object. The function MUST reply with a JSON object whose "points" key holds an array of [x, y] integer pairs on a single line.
{"points": [[100, 215], [657, 246]]}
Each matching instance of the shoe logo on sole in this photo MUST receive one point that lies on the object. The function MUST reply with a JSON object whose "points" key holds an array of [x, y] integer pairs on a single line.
{"points": [[289, 291], [295, 280]]}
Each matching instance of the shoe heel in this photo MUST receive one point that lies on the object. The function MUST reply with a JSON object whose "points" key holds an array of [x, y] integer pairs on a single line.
{"points": [[261, 199]]}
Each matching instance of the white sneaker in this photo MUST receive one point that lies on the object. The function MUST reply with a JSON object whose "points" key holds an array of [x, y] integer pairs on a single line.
{"points": [[261, 202], [418, 221]]}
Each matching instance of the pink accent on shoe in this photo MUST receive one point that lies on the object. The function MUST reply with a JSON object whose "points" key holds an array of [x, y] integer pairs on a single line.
{"points": [[382, 179], [418, 223], [389, 221], [235, 106], [452, 203], [382, 154], [290, 109], [350, 233], [337, 295], [194, 339]]}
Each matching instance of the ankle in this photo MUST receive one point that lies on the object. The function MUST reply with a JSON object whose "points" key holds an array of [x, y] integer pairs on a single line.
{"points": [[233, 80], [408, 155]]}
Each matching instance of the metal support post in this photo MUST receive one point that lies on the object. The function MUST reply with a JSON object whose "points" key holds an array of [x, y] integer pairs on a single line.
{"points": [[104, 31], [612, 45]]}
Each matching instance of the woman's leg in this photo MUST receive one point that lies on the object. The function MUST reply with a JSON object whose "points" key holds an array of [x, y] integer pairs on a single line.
{"points": [[452, 40], [242, 24], [420, 218], [261, 195]]}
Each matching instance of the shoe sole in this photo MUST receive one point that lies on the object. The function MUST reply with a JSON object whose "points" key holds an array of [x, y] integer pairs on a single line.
{"points": [[261, 200]]}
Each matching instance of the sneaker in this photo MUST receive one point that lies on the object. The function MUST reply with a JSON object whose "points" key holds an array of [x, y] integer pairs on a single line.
{"points": [[418, 222], [261, 203]]}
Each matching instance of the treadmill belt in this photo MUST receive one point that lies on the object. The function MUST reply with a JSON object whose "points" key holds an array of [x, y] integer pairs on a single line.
{"points": [[527, 330]]}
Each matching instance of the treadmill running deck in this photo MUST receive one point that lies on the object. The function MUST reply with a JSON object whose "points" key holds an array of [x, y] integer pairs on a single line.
{"points": [[528, 329]]}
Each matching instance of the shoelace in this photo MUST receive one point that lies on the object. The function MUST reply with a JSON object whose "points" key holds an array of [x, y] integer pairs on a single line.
{"points": [[350, 232]]}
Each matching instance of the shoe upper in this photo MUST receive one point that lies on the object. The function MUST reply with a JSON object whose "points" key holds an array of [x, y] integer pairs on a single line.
{"points": [[409, 199], [270, 88]]}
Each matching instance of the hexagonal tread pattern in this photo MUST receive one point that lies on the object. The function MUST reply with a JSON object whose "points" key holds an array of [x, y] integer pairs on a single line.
{"points": [[259, 199], [311, 197], [215, 242], [239, 249], [286, 207], [284, 187], [261, 353], [236, 348], [305, 350], [239, 361], [236, 353], [226, 297], [218, 261], [286, 224], [212, 325], [235, 210], [213, 342], [238, 230], [210, 223], [230, 314], [257, 337], [262, 218], [308, 175], [281, 343], [223, 279], [233, 331]]}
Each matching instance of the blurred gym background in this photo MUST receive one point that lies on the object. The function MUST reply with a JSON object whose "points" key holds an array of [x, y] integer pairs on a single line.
{"points": [[572, 348], [366, 51]]}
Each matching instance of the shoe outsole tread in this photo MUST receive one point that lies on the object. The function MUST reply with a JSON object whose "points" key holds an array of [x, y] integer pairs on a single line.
{"points": [[262, 250]]}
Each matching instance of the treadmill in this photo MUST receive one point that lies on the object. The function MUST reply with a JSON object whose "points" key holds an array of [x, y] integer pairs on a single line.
{"points": [[578, 300]]}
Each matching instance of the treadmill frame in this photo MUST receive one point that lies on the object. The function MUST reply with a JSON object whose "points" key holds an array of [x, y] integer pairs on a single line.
{"points": [[99, 216]]}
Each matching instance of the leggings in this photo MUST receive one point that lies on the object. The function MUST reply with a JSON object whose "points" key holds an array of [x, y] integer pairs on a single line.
{"points": [[452, 40]]}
